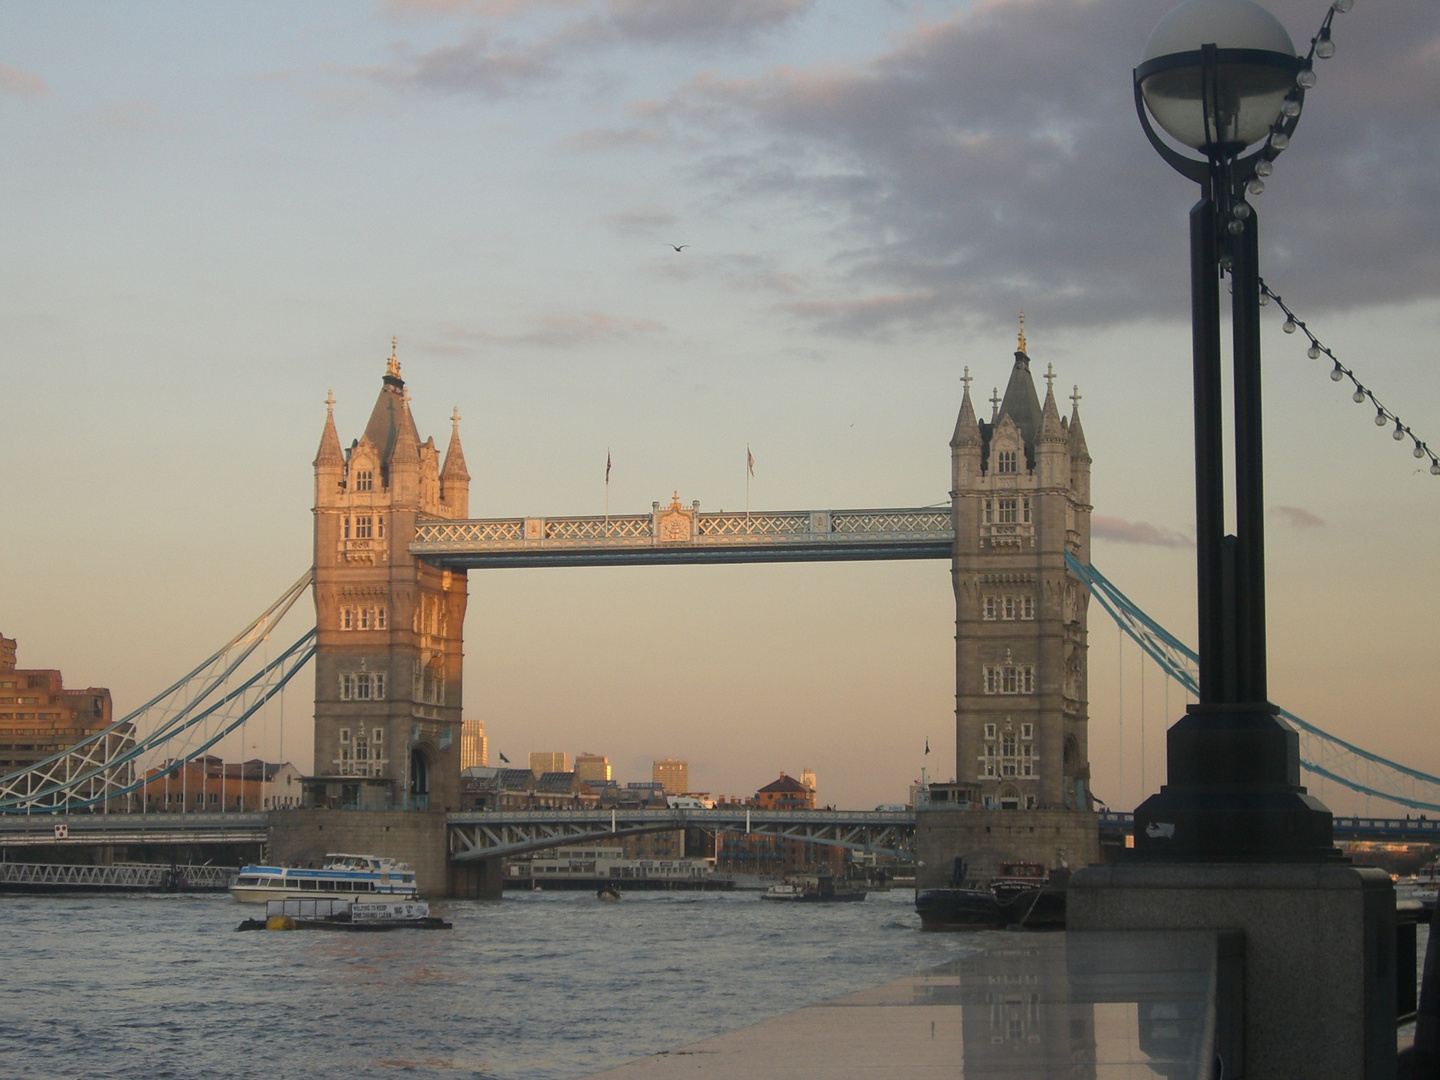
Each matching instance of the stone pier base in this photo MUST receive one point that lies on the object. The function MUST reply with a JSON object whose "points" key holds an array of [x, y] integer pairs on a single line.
{"points": [[987, 838], [1319, 953], [479, 879], [302, 837]]}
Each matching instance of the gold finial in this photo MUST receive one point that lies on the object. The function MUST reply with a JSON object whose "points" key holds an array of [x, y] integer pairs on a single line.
{"points": [[455, 418], [1049, 378], [966, 378], [675, 500], [1075, 398], [330, 402], [995, 403], [1021, 346], [393, 367]]}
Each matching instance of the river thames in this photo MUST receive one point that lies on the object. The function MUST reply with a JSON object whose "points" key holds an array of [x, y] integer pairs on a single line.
{"points": [[539, 985]]}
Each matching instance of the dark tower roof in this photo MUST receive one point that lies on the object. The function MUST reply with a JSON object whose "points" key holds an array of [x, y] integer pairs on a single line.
{"points": [[391, 425]]}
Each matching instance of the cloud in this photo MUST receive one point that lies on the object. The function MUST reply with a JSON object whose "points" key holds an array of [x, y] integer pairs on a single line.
{"points": [[132, 116], [641, 220], [1298, 517], [993, 161], [613, 138], [474, 66], [1135, 532], [670, 21], [24, 83], [568, 331]]}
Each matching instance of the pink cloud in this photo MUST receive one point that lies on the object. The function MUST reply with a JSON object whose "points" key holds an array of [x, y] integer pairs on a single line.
{"points": [[15, 81], [1298, 517], [1136, 532]]}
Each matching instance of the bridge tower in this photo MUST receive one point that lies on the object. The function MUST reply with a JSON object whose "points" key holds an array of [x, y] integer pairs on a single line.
{"points": [[388, 665], [1020, 495]]}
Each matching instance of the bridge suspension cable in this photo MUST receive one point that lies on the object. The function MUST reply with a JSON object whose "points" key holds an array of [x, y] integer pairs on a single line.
{"points": [[1321, 753], [180, 724]]}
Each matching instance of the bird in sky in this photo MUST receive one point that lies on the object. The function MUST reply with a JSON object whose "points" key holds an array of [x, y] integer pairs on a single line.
{"points": [[679, 247]]}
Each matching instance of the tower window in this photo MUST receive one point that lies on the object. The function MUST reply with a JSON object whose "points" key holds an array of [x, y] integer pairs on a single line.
{"points": [[1009, 679], [363, 526], [1025, 510], [1027, 607], [380, 612], [1007, 461], [346, 531], [367, 616], [992, 607], [989, 731], [364, 480], [344, 734], [1009, 510], [347, 618], [380, 527], [1027, 731]]}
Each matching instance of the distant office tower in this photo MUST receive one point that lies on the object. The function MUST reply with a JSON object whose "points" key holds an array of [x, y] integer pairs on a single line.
{"points": [[808, 779], [672, 774], [474, 747], [541, 763], [590, 766]]}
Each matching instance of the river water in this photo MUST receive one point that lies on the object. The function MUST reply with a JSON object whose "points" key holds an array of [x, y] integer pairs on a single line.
{"points": [[539, 985]]}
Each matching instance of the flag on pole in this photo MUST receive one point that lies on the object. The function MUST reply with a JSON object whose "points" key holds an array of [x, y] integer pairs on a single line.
{"points": [[749, 460], [607, 466], [504, 759], [927, 744]]}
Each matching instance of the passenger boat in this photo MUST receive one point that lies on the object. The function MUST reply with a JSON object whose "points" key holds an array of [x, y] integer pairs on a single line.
{"points": [[337, 914], [342, 877], [821, 888]]}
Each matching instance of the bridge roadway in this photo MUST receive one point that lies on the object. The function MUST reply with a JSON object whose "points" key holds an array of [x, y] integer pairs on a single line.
{"points": [[492, 834], [682, 534], [488, 834]]}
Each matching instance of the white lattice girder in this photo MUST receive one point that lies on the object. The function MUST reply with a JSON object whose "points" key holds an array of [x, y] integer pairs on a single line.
{"points": [[920, 532]]}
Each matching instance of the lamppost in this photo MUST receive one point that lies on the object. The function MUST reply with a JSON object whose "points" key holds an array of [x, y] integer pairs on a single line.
{"points": [[1222, 78]]}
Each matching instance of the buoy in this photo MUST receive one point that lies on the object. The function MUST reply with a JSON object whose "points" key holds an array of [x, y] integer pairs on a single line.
{"points": [[279, 922]]}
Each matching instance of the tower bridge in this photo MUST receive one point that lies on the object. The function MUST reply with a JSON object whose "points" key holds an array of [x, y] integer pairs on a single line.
{"points": [[394, 543]]}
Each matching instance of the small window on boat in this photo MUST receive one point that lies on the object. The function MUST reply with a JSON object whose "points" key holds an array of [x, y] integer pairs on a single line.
{"points": [[327, 886], [306, 883], [248, 881]]}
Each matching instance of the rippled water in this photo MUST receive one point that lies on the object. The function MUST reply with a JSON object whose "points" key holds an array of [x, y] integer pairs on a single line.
{"points": [[553, 985]]}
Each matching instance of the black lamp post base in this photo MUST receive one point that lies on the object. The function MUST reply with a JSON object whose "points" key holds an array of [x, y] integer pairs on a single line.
{"points": [[1234, 793], [1230, 826]]}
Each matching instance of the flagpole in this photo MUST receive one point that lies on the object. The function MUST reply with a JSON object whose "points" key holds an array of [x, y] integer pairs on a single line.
{"points": [[607, 491], [749, 472]]}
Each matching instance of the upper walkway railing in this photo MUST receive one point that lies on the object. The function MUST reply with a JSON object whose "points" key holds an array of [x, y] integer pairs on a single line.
{"points": [[683, 534]]}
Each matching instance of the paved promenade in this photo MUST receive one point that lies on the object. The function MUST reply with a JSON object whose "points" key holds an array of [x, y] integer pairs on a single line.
{"points": [[1094, 1005]]}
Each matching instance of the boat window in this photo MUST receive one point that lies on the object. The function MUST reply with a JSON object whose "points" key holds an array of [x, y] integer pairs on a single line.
{"points": [[327, 886], [307, 883], [248, 881]]}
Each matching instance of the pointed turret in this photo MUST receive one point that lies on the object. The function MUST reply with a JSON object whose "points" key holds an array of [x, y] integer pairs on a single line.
{"points": [[329, 460], [1078, 450], [454, 478], [329, 452], [967, 427]]}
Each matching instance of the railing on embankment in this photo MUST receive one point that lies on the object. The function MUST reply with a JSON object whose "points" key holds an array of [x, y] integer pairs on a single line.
{"points": [[119, 877]]}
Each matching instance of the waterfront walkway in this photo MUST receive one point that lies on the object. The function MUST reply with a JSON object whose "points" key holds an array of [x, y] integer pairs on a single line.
{"points": [[1098, 1005]]}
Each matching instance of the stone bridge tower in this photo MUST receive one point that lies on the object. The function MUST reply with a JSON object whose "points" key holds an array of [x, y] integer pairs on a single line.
{"points": [[1020, 490], [388, 666]]}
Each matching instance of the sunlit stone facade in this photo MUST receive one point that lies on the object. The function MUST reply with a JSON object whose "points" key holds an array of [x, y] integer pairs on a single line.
{"points": [[1021, 499], [388, 669]]}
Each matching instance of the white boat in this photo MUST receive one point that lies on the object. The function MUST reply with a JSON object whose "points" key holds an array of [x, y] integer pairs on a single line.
{"points": [[341, 877]]}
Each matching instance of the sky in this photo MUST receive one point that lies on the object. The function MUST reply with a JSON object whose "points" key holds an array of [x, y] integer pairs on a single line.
{"points": [[214, 214]]}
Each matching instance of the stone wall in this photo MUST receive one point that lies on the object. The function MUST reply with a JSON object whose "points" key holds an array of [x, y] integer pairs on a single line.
{"points": [[987, 838], [302, 837]]}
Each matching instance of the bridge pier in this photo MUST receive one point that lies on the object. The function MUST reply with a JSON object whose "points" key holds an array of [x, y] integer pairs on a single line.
{"points": [[417, 837], [477, 879]]}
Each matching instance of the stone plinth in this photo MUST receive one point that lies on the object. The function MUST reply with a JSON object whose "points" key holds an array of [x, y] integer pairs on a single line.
{"points": [[301, 837], [987, 838], [1319, 953]]}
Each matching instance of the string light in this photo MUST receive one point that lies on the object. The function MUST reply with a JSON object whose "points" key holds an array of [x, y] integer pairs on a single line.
{"points": [[1340, 372]]}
